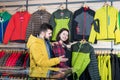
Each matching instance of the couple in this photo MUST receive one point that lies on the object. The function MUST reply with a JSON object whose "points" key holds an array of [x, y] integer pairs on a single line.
{"points": [[40, 50]]}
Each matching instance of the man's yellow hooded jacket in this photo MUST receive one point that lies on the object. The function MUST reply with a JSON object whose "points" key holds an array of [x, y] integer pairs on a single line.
{"points": [[38, 53], [41, 72], [106, 27]]}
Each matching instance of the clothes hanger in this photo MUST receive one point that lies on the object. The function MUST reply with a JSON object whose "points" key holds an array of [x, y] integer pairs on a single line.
{"points": [[62, 6], [83, 41], [2, 9], [106, 3], [85, 5], [22, 9], [42, 8]]}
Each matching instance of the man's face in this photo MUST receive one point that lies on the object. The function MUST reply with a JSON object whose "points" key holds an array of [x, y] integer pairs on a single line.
{"points": [[48, 34]]}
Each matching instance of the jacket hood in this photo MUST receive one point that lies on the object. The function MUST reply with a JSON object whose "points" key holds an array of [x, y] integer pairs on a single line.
{"points": [[32, 39]]}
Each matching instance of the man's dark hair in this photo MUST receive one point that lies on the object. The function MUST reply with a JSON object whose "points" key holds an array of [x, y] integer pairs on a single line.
{"points": [[58, 35], [44, 27]]}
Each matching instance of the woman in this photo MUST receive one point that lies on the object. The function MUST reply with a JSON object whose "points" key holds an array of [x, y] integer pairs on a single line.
{"points": [[60, 47]]}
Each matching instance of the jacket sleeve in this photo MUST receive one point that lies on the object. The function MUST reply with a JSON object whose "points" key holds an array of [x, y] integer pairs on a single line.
{"points": [[9, 30], [52, 20], [117, 35], [70, 24], [94, 30], [30, 29], [93, 66], [73, 27], [117, 31], [92, 35], [41, 57]]}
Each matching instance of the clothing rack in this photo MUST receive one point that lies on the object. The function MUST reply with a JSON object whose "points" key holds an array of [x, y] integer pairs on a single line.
{"points": [[106, 51], [53, 3], [57, 3], [26, 4], [11, 0], [12, 46]]}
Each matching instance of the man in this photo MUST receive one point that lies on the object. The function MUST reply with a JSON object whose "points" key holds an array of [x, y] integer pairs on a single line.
{"points": [[39, 51]]}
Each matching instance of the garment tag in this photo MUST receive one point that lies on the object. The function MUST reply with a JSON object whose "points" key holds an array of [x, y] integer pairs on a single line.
{"points": [[22, 18], [62, 14]]}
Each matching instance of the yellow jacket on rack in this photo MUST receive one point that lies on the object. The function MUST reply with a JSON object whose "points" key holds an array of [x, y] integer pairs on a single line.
{"points": [[106, 27], [38, 53]]}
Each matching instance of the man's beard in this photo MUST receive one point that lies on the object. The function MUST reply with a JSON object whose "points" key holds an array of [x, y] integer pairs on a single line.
{"points": [[50, 38]]}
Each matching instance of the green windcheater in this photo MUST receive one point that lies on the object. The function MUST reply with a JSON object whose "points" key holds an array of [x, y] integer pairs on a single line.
{"points": [[83, 56], [60, 19], [106, 25]]}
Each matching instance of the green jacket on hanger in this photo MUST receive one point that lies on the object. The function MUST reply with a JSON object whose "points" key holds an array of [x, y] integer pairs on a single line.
{"points": [[60, 19], [84, 56]]}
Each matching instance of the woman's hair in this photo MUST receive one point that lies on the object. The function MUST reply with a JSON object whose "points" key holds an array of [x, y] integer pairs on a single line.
{"points": [[58, 35]]}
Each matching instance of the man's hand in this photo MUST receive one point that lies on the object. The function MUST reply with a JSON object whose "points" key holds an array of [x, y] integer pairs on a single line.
{"points": [[63, 59]]}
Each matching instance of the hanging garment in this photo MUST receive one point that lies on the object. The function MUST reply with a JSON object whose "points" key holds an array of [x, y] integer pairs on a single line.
{"points": [[117, 33], [36, 20], [26, 60], [8, 59], [83, 55], [115, 66], [60, 19], [105, 26], [6, 56], [4, 19], [2, 53], [20, 60], [11, 61], [81, 23], [16, 28], [104, 65], [85, 75]]}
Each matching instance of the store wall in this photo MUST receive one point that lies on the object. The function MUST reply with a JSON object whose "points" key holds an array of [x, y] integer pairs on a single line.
{"points": [[52, 8], [71, 7]]}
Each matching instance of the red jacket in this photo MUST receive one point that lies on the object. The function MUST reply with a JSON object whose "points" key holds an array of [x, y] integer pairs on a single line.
{"points": [[16, 29]]}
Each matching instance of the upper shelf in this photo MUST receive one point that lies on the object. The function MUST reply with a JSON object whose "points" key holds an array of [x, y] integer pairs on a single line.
{"points": [[53, 3], [12, 0]]}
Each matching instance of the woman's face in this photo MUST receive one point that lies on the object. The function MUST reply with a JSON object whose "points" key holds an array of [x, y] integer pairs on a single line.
{"points": [[64, 36]]}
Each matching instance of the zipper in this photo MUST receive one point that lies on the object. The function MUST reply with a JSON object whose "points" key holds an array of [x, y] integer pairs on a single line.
{"points": [[2, 29], [79, 45], [107, 20], [21, 23], [20, 28], [84, 26]]}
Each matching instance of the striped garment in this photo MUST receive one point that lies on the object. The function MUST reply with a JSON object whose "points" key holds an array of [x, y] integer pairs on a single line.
{"points": [[37, 19]]}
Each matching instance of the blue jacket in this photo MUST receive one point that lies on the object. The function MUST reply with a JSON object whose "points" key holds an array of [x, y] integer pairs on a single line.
{"points": [[4, 19]]}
